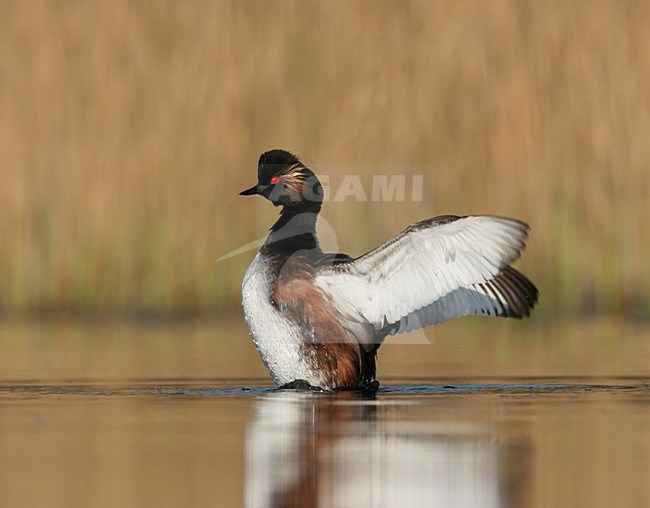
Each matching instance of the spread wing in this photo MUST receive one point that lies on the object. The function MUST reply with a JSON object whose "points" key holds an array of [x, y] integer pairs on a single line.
{"points": [[435, 270]]}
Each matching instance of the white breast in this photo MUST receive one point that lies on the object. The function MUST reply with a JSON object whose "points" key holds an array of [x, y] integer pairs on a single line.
{"points": [[278, 340]]}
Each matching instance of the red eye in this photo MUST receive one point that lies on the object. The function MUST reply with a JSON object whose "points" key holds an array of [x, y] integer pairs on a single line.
{"points": [[275, 180]]}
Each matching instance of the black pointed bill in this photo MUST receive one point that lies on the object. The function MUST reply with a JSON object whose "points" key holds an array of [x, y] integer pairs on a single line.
{"points": [[249, 192]]}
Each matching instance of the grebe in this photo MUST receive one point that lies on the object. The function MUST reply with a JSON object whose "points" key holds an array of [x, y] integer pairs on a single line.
{"points": [[317, 319]]}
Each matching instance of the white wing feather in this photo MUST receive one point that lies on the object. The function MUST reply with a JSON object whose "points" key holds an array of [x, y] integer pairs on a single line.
{"points": [[422, 265]]}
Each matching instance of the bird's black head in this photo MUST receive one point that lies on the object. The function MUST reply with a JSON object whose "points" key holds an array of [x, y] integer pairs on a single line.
{"points": [[284, 180]]}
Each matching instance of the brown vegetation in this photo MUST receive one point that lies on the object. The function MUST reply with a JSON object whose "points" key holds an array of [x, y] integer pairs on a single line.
{"points": [[128, 128]]}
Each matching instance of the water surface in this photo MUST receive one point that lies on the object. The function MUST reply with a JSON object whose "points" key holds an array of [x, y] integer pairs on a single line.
{"points": [[132, 413]]}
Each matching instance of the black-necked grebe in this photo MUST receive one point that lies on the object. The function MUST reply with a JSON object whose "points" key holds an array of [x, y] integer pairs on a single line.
{"points": [[318, 319]]}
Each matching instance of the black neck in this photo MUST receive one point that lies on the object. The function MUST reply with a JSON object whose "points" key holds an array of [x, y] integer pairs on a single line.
{"points": [[295, 229]]}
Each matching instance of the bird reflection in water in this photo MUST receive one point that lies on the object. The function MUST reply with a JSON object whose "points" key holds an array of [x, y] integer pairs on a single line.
{"points": [[347, 449]]}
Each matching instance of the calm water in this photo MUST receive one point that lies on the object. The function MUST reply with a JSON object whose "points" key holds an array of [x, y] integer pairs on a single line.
{"points": [[182, 413]]}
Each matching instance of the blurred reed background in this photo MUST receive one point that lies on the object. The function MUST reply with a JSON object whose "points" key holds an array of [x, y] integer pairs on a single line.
{"points": [[128, 128]]}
